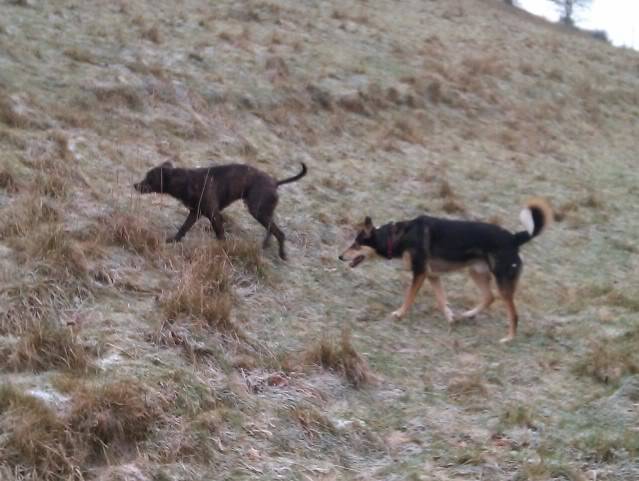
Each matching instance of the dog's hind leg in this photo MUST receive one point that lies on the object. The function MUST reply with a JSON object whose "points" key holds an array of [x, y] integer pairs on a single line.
{"points": [[262, 208], [188, 223], [272, 228], [411, 292], [507, 293], [482, 279], [440, 296], [507, 272]]}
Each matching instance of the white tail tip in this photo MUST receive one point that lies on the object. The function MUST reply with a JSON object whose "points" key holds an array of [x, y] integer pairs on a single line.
{"points": [[526, 218]]}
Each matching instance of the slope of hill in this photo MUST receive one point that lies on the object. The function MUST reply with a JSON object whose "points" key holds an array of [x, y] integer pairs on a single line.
{"points": [[125, 358]]}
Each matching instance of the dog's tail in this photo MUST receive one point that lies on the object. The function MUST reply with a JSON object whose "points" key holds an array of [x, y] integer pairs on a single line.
{"points": [[535, 217], [294, 178]]}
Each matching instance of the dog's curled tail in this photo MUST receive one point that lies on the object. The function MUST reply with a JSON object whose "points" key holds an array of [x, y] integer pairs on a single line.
{"points": [[295, 177], [536, 216]]}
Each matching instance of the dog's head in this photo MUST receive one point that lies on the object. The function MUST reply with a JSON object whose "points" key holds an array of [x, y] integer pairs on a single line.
{"points": [[154, 180], [363, 247]]}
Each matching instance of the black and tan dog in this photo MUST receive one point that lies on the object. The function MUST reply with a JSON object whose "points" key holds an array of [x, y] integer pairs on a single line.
{"points": [[433, 246], [206, 191]]}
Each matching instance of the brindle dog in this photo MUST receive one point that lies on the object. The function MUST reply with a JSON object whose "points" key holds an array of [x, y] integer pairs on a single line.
{"points": [[207, 191]]}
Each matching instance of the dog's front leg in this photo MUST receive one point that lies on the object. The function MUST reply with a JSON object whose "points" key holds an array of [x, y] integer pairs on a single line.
{"points": [[188, 223], [411, 292], [440, 295]]}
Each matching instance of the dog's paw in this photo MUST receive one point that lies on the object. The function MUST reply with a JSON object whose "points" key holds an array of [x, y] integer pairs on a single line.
{"points": [[450, 315], [470, 314], [398, 314], [507, 339]]}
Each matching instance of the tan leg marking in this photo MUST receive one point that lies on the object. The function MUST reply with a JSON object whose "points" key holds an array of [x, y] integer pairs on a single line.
{"points": [[411, 292], [508, 294], [440, 295], [407, 259], [482, 279]]}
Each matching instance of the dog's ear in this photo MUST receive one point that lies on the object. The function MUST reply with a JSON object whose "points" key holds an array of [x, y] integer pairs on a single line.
{"points": [[167, 165], [368, 225]]}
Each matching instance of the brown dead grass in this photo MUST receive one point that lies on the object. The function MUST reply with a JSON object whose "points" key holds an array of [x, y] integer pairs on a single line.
{"points": [[52, 185], [341, 358], [35, 441], [312, 420], [451, 203], [607, 362], [15, 113], [203, 290], [122, 412], [120, 95], [102, 420], [54, 248], [48, 346], [26, 212], [80, 55], [153, 34], [132, 232], [9, 182], [465, 386]]}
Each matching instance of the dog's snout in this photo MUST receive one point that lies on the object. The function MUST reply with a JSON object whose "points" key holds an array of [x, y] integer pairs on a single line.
{"points": [[341, 257]]}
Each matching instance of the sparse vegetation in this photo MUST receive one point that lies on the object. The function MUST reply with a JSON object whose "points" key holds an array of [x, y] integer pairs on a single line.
{"points": [[131, 232], [122, 357], [203, 291], [342, 358], [608, 361], [46, 346]]}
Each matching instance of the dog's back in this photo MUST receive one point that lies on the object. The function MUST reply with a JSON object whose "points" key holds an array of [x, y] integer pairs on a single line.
{"points": [[239, 181], [449, 236]]}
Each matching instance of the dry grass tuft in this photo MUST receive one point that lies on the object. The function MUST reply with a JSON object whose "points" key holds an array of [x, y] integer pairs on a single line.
{"points": [[203, 290], [245, 256], [467, 386], [36, 297], [342, 358], [52, 185], [487, 65], [543, 471], [407, 130], [119, 413], [445, 190], [48, 346], [517, 414], [16, 112], [34, 440], [451, 204], [434, 91], [131, 232], [55, 251], [25, 213], [126, 95], [313, 422], [9, 182], [607, 362], [354, 103], [153, 34], [79, 55]]}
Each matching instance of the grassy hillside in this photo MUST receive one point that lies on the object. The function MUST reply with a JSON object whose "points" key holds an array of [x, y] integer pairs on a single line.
{"points": [[122, 358]]}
